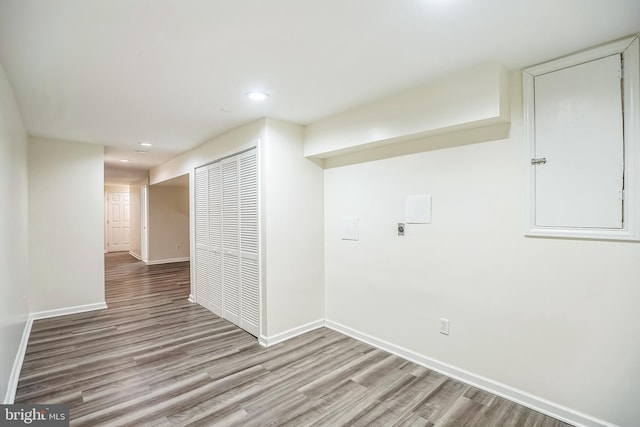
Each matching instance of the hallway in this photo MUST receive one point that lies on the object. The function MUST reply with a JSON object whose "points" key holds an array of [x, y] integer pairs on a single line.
{"points": [[143, 348]]}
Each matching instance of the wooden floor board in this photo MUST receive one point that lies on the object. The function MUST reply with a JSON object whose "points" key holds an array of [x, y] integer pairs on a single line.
{"points": [[154, 359]]}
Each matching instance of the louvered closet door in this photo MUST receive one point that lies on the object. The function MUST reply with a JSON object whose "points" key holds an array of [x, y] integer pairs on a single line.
{"points": [[215, 239], [249, 282], [230, 241], [227, 274], [202, 237]]}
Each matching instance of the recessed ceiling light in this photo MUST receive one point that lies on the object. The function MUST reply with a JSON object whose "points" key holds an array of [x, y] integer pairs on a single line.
{"points": [[256, 96], [145, 144], [141, 151], [125, 160]]}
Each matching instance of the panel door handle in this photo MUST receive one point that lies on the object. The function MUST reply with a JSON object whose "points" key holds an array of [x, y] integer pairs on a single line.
{"points": [[539, 161]]}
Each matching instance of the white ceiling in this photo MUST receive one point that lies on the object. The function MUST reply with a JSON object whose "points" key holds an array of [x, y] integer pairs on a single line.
{"points": [[174, 72]]}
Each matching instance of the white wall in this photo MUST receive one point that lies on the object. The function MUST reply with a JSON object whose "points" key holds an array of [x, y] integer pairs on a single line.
{"points": [[293, 215], [13, 232], [111, 188], [223, 145], [556, 318], [168, 223], [474, 97], [66, 223]]}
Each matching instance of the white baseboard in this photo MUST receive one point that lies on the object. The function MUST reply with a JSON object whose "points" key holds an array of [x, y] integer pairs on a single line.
{"points": [[135, 255], [167, 261], [12, 385], [22, 348], [192, 298], [523, 398], [67, 310], [286, 335]]}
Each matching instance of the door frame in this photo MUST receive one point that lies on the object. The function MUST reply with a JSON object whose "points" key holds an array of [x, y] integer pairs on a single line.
{"points": [[144, 222]]}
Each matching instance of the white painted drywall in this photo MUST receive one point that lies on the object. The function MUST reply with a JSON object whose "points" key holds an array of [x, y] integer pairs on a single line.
{"points": [[13, 231], [473, 97], [293, 215], [168, 223], [226, 144], [111, 188], [557, 318], [66, 224]]}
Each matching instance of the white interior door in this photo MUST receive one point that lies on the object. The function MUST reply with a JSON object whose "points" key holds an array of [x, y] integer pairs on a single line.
{"points": [[118, 222]]}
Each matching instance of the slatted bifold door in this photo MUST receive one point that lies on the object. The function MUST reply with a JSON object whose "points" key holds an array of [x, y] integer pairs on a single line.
{"points": [[215, 238], [230, 241], [227, 279], [249, 284], [202, 237]]}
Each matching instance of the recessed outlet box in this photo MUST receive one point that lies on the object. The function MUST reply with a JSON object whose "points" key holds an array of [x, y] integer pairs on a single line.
{"points": [[444, 326]]}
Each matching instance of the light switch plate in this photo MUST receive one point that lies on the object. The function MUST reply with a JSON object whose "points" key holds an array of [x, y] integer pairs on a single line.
{"points": [[444, 326]]}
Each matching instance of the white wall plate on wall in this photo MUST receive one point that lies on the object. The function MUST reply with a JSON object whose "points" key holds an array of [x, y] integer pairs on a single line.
{"points": [[350, 228], [418, 210]]}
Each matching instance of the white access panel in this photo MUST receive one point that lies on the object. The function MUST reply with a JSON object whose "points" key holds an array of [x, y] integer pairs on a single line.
{"points": [[350, 228], [579, 134], [418, 210]]}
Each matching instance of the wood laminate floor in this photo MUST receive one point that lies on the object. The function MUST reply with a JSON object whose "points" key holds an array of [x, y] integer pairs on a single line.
{"points": [[154, 359]]}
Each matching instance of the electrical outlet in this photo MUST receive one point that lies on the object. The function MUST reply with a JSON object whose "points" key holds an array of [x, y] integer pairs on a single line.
{"points": [[444, 326]]}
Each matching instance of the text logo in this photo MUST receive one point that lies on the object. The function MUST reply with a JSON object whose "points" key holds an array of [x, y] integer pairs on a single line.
{"points": [[34, 415]]}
